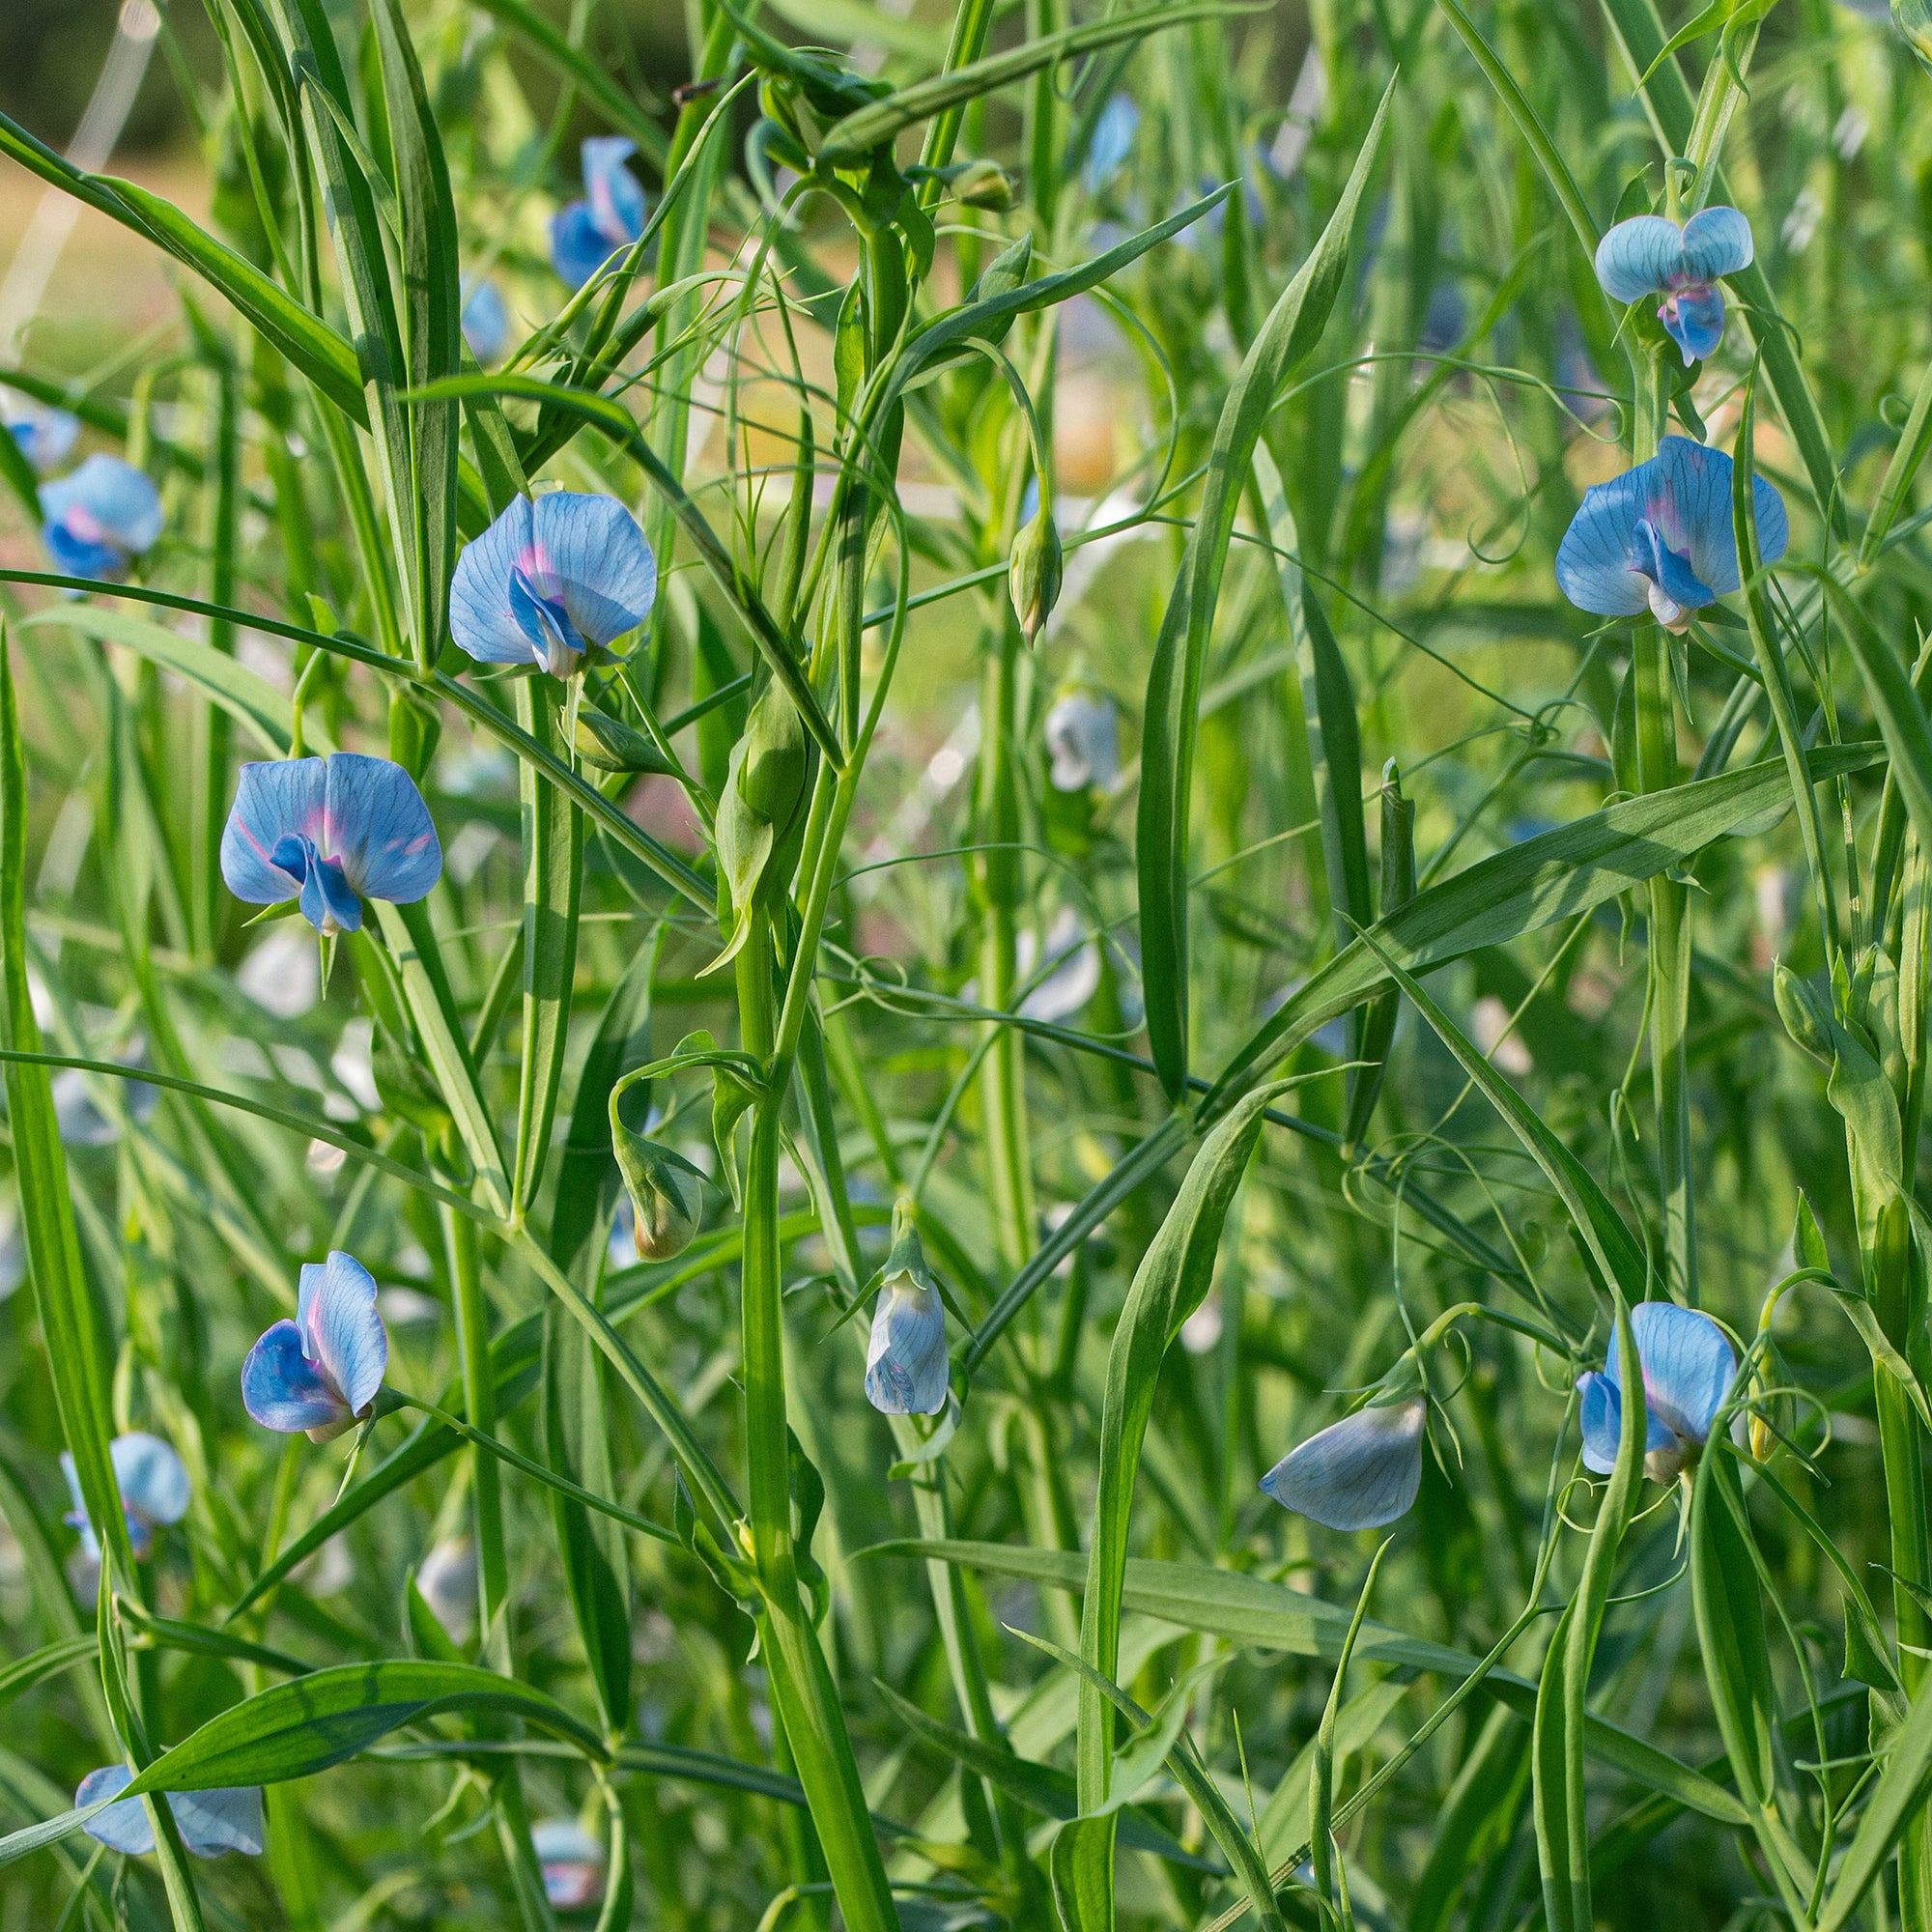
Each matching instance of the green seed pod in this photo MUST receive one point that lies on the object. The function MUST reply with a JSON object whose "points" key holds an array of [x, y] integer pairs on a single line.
{"points": [[772, 777], [667, 1194], [1033, 580]]}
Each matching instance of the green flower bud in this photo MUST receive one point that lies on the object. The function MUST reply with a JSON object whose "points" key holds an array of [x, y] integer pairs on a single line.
{"points": [[1806, 1018], [772, 777], [1033, 580], [1914, 19], [667, 1193], [985, 184], [614, 745]]}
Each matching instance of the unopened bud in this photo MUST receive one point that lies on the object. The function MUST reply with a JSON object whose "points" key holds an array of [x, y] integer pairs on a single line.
{"points": [[905, 1360], [1033, 580], [614, 745], [1806, 1016], [985, 184], [772, 776], [1914, 19], [667, 1194]]}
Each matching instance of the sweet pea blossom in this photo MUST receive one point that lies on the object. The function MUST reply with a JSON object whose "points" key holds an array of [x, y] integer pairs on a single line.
{"points": [[485, 319], [571, 1860], [905, 1359], [97, 518], [330, 833], [1083, 739], [550, 579], [1650, 255], [446, 1582], [46, 436], [153, 1485], [1114, 131], [212, 1822], [1659, 538], [1687, 1366], [584, 234], [321, 1372], [1359, 1473]]}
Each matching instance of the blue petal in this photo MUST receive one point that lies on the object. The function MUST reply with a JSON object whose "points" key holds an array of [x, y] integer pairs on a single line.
{"points": [[274, 800], [283, 1390], [1717, 241], [153, 1480], [577, 250], [1114, 133], [342, 1334], [106, 500], [1593, 567], [122, 1826], [328, 902], [81, 556], [1694, 318], [1693, 499], [1603, 1419], [375, 821], [590, 553], [615, 193], [1669, 572], [905, 1361], [1638, 256], [1687, 1365], [481, 617], [486, 320], [1359, 1473], [45, 437], [227, 1819]]}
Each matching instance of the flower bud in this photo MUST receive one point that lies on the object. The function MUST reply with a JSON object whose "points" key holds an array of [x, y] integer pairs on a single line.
{"points": [[1033, 580], [667, 1194], [615, 745], [905, 1361], [985, 184], [772, 776], [1914, 19], [1806, 1017]]}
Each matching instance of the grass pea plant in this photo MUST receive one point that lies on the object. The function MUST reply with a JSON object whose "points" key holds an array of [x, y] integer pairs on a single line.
{"points": [[984, 983]]}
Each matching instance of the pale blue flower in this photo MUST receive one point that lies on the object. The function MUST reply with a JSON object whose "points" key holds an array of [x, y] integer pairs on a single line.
{"points": [[550, 579], [1083, 739], [1649, 255], [47, 437], [486, 320], [329, 833], [153, 1485], [321, 1372], [99, 518], [210, 1822], [905, 1361], [1114, 130], [1359, 1473], [584, 234], [1687, 1366], [571, 1860], [1659, 538]]}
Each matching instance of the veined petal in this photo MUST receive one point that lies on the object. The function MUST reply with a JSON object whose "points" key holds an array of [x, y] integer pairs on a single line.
{"points": [[905, 1361], [210, 1822], [327, 901], [1668, 570], [1694, 318], [1690, 486], [481, 618], [1717, 241], [577, 250], [588, 553], [122, 1826], [375, 821], [615, 195], [341, 1331], [1638, 256], [1359, 1473], [108, 500], [1593, 562], [1602, 1420], [274, 800], [1687, 1366], [283, 1390], [153, 1480]]}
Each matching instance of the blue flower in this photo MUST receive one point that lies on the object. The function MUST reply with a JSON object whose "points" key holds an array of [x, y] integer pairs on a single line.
{"points": [[99, 518], [1658, 537], [153, 1485], [1359, 1473], [1114, 131], [1687, 1366], [212, 1822], [1083, 739], [571, 1860], [329, 833], [486, 320], [550, 578], [905, 1360], [1648, 255], [584, 234], [320, 1372], [45, 437]]}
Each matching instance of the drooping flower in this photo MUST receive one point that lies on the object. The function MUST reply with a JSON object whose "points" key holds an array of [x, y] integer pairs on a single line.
{"points": [[97, 518], [1083, 739], [1658, 537], [1114, 131], [1072, 975], [321, 1372], [550, 578], [905, 1360], [446, 1582], [153, 1485], [1650, 255], [1687, 1366], [1359, 1473], [329, 832], [46, 436], [212, 1822], [571, 1860], [584, 234], [486, 320]]}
